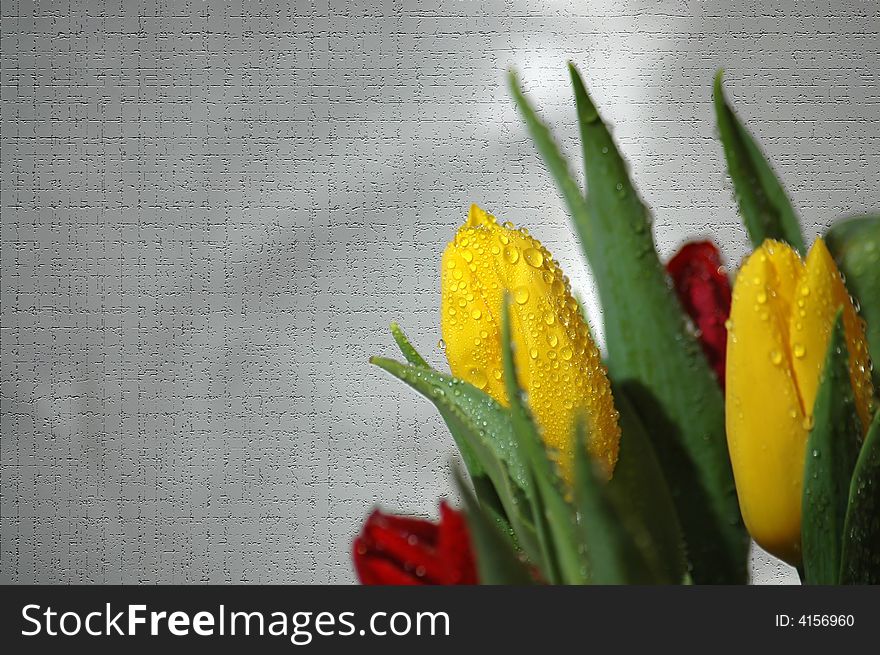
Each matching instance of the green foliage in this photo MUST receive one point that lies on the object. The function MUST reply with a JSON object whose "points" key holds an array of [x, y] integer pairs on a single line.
{"points": [[652, 356], [860, 558], [832, 449], [763, 203], [855, 244], [498, 562]]}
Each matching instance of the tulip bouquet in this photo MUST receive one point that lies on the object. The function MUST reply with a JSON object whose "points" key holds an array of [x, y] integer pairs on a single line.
{"points": [[714, 414]]}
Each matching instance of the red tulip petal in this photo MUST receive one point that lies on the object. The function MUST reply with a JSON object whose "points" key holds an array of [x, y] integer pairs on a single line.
{"points": [[404, 550], [424, 531], [454, 546], [704, 291], [373, 570], [408, 552]]}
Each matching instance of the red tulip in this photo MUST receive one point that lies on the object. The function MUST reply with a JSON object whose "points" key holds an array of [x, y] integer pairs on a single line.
{"points": [[704, 291], [398, 550]]}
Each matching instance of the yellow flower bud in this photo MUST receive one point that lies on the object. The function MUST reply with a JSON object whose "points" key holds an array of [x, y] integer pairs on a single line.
{"points": [[781, 320], [557, 362]]}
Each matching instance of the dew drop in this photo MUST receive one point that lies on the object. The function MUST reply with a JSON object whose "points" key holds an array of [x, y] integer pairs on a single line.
{"points": [[533, 257], [476, 314], [799, 350], [521, 295], [478, 378], [511, 254], [566, 353], [776, 357]]}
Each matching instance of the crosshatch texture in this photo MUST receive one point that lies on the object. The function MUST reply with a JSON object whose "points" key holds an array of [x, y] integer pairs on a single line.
{"points": [[212, 210]]}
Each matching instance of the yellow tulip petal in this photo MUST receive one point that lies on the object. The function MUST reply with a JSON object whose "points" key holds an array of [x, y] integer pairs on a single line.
{"points": [[820, 294], [468, 323], [765, 423], [557, 362]]}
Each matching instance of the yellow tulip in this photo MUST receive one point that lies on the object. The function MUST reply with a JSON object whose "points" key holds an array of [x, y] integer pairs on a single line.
{"points": [[557, 362], [781, 320]]}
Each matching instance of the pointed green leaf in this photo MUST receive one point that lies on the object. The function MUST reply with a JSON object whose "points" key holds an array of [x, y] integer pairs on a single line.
{"points": [[409, 351], [652, 355], [482, 427], [860, 561], [763, 203], [832, 449], [613, 555], [855, 244], [639, 483], [497, 561], [554, 517]]}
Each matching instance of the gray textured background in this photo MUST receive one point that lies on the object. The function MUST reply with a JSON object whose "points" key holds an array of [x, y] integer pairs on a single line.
{"points": [[212, 210]]}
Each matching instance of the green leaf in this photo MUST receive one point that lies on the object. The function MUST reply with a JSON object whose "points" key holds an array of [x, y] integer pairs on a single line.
{"points": [[554, 517], [409, 351], [832, 449], [855, 245], [613, 554], [763, 203], [639, 484], [497, 561], [860, 561], [652, 355], [481, 427]]}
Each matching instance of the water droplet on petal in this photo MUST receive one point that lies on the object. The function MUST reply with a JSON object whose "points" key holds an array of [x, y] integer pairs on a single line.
{"points": [[533, 257], [478, 378], [521, 295]]}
